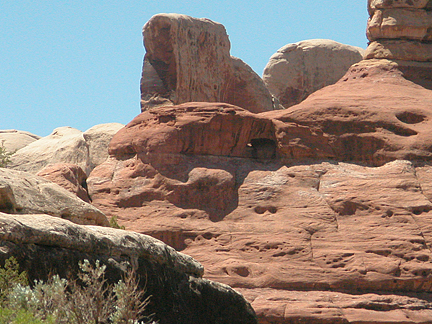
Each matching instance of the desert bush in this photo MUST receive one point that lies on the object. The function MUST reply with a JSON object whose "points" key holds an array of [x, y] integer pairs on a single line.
{"points": [[4, 156], [10, 277], [88, 300], [114, 223]]}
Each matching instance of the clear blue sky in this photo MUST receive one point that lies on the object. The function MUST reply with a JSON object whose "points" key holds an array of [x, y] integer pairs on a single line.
{"points": [[78, 63]]}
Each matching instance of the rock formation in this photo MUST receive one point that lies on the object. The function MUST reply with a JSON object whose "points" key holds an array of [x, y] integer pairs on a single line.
{"points": [[174, 281], [297, 70], [216, 182], [69, 176], [66, 145], [13, 140], [25, 193], [318, 213], [97, 139], [189, 59], [400, 30]]}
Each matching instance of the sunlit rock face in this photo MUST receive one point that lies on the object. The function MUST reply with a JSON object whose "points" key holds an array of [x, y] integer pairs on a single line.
{"points": [[188, 59]]}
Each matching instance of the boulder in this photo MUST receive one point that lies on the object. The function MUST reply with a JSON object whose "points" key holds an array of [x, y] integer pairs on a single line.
{"points": [[174, 281], [66, 145], [188, 59], [400, 24], [69, 176], [13, 140], [25, 193], [297, 70], [98, 138]]}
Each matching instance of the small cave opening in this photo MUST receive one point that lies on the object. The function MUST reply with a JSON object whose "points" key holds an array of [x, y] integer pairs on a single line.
{"points": [[262, 148]]}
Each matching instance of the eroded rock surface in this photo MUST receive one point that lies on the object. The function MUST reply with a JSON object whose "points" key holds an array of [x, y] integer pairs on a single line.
{"points": [[174, 281], [69, 176], [297, 70], [25, 193], [400, 30], [222, 184], [66, 145], [188, 59], [13, 140]]}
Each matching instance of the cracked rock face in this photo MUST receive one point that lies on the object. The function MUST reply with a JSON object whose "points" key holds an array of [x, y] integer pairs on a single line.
{"points": [[400, 30], [188, 59]]}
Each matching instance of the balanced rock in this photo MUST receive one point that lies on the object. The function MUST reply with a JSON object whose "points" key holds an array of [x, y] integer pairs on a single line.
{"points": [[69, 176], [25, 193], [13, 140], [66, 145], [297, 70], [400, 30], [188, 59], [171, 279]]}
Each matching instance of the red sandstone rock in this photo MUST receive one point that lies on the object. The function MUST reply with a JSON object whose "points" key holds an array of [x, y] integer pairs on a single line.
{"points": [[320, 213], [69, 176], [373, 115], [188, 59], [219, 184], [400, 30]]}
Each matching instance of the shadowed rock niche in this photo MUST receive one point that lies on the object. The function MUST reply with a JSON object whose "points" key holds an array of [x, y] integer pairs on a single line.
{"points": [[188, 59]]}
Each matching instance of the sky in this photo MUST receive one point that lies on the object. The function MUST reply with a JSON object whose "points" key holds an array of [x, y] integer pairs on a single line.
{"points": [[78, 63]]}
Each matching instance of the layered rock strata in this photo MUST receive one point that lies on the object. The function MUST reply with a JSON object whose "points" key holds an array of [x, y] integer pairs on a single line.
{"points": [[400, 30], [178, 293], [188, 59]]}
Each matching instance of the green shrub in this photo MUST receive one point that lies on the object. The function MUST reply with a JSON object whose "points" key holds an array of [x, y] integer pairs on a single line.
{"points": [[4, 156], [10, 277], [91, 301], [114, 224]]}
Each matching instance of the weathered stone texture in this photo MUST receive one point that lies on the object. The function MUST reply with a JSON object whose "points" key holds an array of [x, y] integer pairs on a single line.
{"points": [[188, 59], [66, 145], [25, 193], [13, 140], [174, 281], [69, 176], [400, 30], [297, 70]]}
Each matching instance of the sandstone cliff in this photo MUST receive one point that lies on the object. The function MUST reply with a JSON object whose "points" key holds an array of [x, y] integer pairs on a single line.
{"points": [[318, 213]]}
